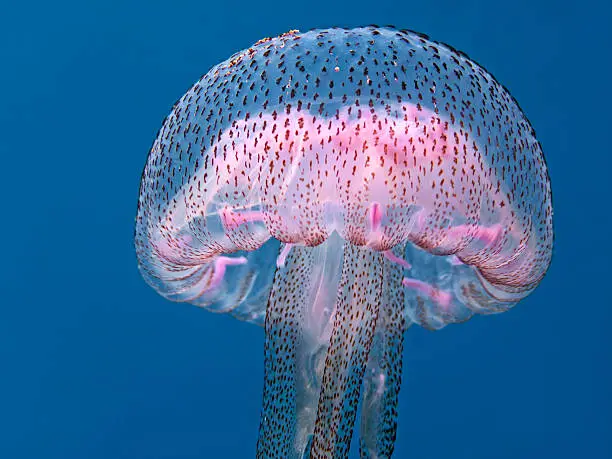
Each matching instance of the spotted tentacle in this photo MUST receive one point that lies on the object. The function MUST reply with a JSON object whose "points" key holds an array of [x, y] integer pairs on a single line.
{"points": [[353, 329], [297, 328], [383, 378]]}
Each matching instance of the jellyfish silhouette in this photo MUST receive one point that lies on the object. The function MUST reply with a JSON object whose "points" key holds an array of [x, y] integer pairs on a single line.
{"points": [[336, 186]]}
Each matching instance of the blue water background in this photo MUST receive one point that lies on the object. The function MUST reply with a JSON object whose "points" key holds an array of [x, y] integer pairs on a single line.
{"points": [[94, 364]]}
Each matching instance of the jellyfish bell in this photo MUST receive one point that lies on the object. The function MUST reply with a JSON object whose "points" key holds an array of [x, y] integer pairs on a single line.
{"points": [[336, 186]]}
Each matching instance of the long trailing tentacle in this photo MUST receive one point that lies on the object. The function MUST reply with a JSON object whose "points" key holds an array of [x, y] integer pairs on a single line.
{"points": [[353, 329], [301, 302], [383, 378], [283, 326]]}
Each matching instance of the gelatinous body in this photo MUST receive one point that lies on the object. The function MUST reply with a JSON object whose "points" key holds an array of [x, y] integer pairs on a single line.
{"points": [[337, 186]]}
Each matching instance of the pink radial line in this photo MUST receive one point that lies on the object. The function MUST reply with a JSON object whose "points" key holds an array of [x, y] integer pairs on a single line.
{"points": [[232, 220], [376, 215], [221, 263], [218, 271], [487, 234], [441, 297], [389, 255], [282, 257]]}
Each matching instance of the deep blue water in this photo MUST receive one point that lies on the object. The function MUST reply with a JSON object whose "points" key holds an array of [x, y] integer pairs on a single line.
{"points": [[94, 364]]}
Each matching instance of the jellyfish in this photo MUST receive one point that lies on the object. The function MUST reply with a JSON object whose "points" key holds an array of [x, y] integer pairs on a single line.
{"points": [[336, 187]]}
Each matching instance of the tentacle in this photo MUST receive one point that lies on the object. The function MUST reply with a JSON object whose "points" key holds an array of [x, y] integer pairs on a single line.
{"points": [[283, 335], [297, 338], [383, 377], [353, 329]]}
